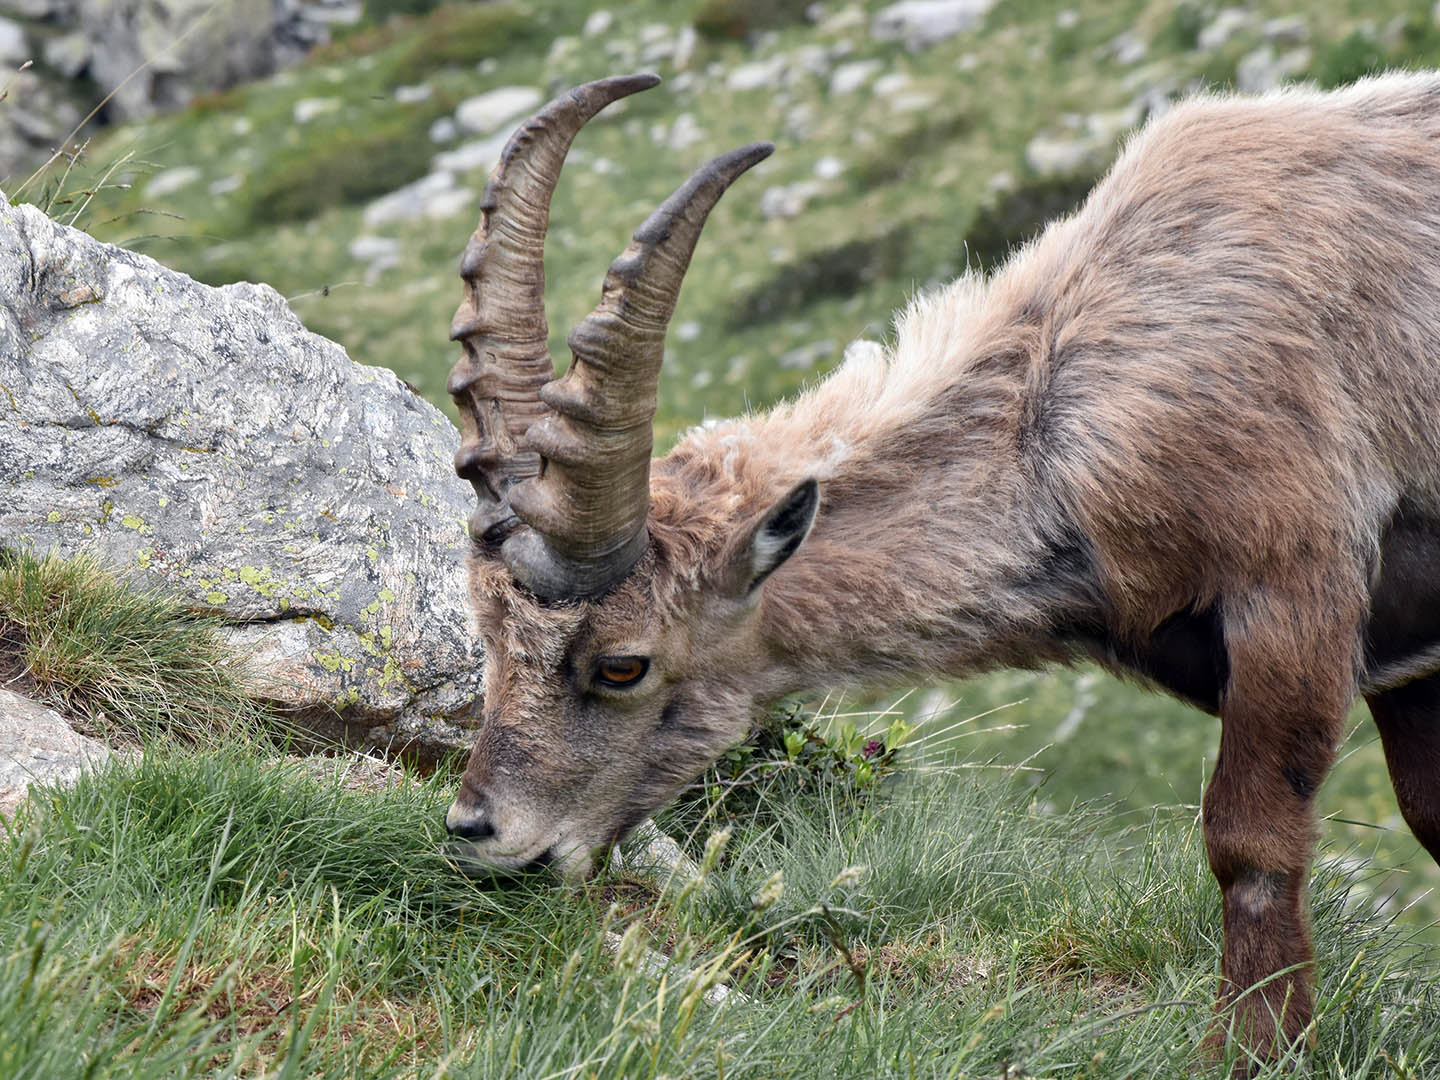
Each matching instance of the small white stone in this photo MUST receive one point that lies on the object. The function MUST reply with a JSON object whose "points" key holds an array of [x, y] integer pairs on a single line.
{"points": [[1067, 19], [1224, 26], [1286, 30], [226, 184], [788, 200], [685, 44], [687, 331], [920, 23], [306, 109], [597, 22], [828, 168], [684, 132], [171, 181], [756, 75], [472, 155], [413, 95], [806, 356], [892, 84], [14, 45], [1127, 48], [241, 125], [373, 247], [483, 113], [852, 76], [444, 130]]}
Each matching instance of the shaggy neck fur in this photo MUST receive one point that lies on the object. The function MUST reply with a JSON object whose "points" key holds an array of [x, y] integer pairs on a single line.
{"points": [[927, 515]]}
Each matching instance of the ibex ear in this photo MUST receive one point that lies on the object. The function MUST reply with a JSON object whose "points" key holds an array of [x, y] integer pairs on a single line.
{"points": [[779, 534]]}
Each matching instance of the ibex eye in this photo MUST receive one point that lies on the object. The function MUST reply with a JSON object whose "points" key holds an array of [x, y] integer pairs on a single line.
{"points": [[621, 670]]}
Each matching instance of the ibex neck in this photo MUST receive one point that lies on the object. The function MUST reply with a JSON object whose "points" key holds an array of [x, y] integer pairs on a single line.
{"points": [[931, 551]]}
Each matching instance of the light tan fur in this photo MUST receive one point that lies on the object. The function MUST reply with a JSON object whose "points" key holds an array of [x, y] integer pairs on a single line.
{"points": [[1191, 432]]}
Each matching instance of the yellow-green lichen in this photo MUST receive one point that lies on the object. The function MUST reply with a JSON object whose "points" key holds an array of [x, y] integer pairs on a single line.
{"points": [[216, 598]]}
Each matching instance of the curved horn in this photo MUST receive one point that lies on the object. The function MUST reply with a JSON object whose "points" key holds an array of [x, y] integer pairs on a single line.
{"points": [[587, 509], [501, 320]]}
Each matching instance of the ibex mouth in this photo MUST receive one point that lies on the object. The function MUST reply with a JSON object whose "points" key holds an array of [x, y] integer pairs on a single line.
{"points": [[496, 870]]}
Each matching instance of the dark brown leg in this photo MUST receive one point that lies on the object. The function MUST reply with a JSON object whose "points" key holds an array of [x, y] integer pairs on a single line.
{"points": [[1409, 721], [1282, 716]]}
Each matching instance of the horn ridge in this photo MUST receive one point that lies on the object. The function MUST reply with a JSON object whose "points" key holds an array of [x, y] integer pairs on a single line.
{"points": [[500, 323], [588, 506]]}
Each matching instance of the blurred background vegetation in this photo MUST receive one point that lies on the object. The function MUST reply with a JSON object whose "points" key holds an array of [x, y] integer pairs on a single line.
{"points": [[350, 184]]}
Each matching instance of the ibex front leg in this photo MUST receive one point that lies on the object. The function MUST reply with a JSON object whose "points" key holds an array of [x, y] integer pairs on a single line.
{"points": [[1291, 656]]}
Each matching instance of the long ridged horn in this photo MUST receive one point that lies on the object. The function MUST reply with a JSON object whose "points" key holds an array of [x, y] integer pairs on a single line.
{"points": [[588, 507], [501, 320]]}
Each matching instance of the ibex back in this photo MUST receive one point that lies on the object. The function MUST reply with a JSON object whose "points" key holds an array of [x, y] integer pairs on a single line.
{"points": [[1191, 432]]}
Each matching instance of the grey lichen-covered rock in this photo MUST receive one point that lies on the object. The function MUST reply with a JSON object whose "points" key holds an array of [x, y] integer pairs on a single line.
{"points": [[203, 437], [37, 746]]}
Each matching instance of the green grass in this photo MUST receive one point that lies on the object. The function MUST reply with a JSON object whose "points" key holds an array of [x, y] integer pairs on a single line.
{"points": [[212, 912], [121, 659], [219, 913]]}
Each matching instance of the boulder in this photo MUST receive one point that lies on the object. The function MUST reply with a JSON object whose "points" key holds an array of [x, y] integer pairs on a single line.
{"points": [[176, 49], [203, 439], [37, 746]]}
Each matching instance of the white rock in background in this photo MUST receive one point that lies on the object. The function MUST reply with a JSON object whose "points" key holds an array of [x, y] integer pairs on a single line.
{"points": [[171, 181], [919, 23], [14, 45], [306, 109], [1087, 150], [472, 155], [685, 44], [597, 22], [562, 48], [757, 74], [226, 184], [685, 132], [413, 95], [483, 113], [433, 197], [1127, 48], [828, 168], [788, 200], [444, 130], [1067, 19], [366, 248], [69, 54], [892, 84], [687, 331], [1263, 70], [1286, 30], [379, 252], [1224, 26], [852, 76], [806, 356], [38, 746]]}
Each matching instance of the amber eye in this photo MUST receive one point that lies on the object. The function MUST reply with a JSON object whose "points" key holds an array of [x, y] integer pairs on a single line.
{"points": [[621, 670]]}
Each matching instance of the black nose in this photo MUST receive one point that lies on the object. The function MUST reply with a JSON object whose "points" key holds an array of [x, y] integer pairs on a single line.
{"points": [[468, 819]]}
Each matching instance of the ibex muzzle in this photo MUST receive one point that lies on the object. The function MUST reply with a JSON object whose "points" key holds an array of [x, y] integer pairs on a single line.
{"points": [[1190, 433]]}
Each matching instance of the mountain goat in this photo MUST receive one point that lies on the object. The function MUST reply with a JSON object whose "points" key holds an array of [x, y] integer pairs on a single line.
{"points": [[1191, 432]]}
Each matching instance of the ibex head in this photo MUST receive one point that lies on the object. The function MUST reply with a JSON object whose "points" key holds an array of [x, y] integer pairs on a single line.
{"points": [[621, 655]]}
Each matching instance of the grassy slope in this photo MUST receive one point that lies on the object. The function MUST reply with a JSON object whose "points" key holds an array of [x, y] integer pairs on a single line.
{"points": [[913, 190], [917, 187]]}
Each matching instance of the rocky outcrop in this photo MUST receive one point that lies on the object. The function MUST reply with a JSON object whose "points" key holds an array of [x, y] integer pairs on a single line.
{"points": [[203, 438], [37, 746], [142, 56]]}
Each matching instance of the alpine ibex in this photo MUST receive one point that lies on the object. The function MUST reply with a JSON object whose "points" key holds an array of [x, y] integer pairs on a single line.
{"points": [[1192, 432]]}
